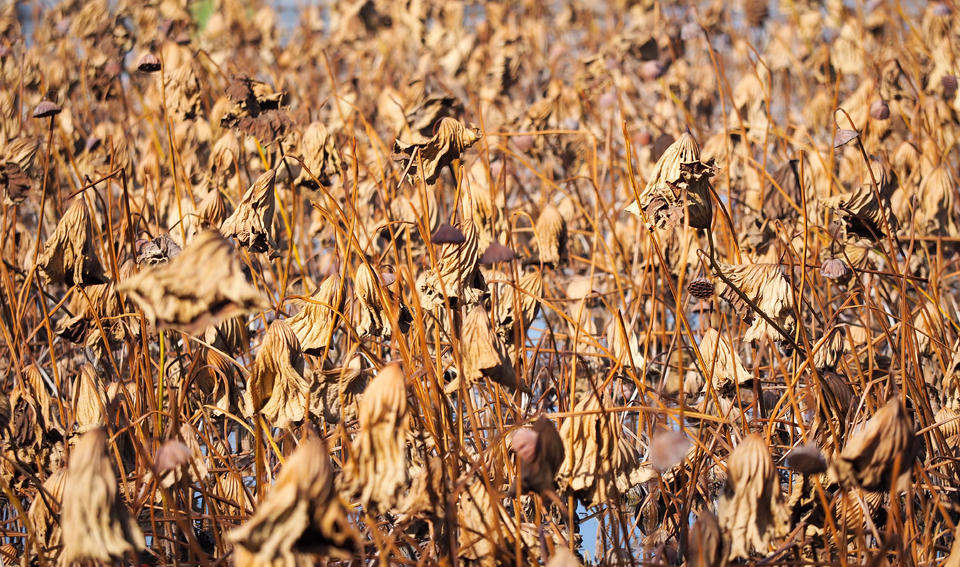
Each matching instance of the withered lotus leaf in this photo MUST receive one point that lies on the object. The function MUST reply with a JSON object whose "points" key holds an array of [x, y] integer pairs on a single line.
{"points": [[251, 223], [722, 362], [372, 318], [551, 234], [380, 469], [91, 400], [884, 445], [320, 155], [752, 510], [448, 144], [508, 298], [455, 275], [278, 386], [679, 180], [69, 255], [705, 548], [316, 322], [93, 519], [767, 287], [45, 507], [201, 286], [484, 355], [302, 513]]}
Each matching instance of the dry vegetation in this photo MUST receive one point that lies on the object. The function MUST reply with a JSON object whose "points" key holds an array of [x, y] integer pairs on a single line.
{"points": [[369, 290]]}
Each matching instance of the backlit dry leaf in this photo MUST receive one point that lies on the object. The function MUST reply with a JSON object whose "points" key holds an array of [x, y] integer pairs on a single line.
{"points": [[882, 446], [706, 542], [551, 233], [722, 363], [484, 355], [69, 255], [316, 322], [455, 276], [302, 514], [767, 287], [447, 145], [752, 510], [252, 221], [93, 518], [201, 286], [278, 386]]}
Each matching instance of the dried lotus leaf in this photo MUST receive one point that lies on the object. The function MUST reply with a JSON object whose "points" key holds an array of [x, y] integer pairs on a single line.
{"points": [[45, 507], [455, 275], [452, 139], [320, 155], [183, 89], [767, 287], [69, 255], [251, 223], [316, 322], [484, 355], [278, 385], [752, 510], [372, 317], [882, 446], [91, 400], [302, 513], [551, 235], [380, 468], [722, 362], [201, 286], [94, 520]]}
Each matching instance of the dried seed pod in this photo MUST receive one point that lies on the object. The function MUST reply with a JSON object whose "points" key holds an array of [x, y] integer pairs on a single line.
{"points": [[701, 288], [277, 385], [540, 453], [148, 63], [723, 364], [455, 275], [302, 514], [484, 355], [879, 110], [316, 322], [447, 145], [69, 255], [679, 180], [807, 459], [495, 254], [834, 269], [201, 286], [46, 109], [373, 320], [158, 250], [882, 446], [667, 450], [752, 511], [767, 287], [380, 469], [93, 517], [252, 221], [706, 542], [551, 233]]}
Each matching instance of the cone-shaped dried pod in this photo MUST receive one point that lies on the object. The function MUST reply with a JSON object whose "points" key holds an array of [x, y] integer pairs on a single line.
{"points": [[830, 348], [722, 362], [320, 155], [69, 255], [301, 514], [539, 451], [93, 518], [252, 221], [201, 286], [507, 298], [372, 317], [381, 470], [91, 400], [448, 144], [277, 386], [318, 319], [705, 546], [183, 91], [455, 273], [45, 507], [551, 233], [678, 180], [768, 288], [752, 511], [484, 355], [935, 214], [212, 211], [882, 446]]}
